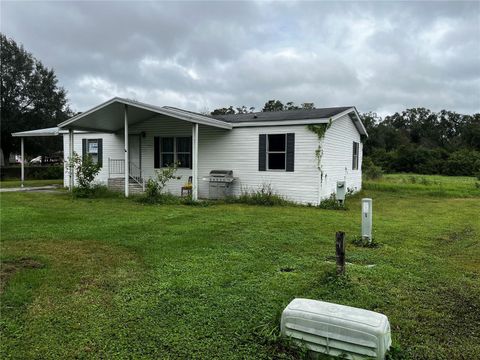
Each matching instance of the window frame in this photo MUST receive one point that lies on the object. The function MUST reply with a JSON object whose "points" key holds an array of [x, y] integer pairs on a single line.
{"points": [[189, 153], [93, 156], [175, 153], [355, 155], [268, 152]]}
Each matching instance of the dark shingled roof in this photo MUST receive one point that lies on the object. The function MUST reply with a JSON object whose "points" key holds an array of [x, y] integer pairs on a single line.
{"points": [[323, 113]]}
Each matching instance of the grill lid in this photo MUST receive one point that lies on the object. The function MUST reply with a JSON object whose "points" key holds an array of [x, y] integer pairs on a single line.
{"points": [[221, 176], [221, 173]]}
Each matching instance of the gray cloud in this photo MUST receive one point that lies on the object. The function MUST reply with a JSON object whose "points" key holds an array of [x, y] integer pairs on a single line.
{"points": [[379, 56]]}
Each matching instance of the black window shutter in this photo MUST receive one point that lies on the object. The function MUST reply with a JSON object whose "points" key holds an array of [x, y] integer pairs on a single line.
{"points": [[156, 152], [262, 153], [191, 152], [100, 152], [84, 148], [290, 152]]}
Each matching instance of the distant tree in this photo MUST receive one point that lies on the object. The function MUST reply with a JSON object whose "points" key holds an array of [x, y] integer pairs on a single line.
{"points": [[30, 98], [273, 105], [277, 105], [223, 111], [308, 106], [244, 110], [291, 106], [469, 131]]}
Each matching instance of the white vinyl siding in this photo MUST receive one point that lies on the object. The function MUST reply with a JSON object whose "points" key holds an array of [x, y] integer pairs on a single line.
{"points": [[238, 150], [337, 156], [112, 145]]}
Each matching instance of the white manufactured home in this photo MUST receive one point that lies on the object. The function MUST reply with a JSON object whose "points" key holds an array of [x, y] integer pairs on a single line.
{"points": [[132, 140]]}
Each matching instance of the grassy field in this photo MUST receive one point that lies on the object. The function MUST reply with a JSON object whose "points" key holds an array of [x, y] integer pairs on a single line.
{"points": [[29, 183], [111, 278]]}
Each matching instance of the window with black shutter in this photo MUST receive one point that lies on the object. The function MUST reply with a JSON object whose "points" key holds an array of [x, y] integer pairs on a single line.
{"points": [[276, 152]]}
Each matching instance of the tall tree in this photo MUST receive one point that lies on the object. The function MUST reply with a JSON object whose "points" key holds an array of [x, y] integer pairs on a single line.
{"points": [[30, 98], [223, 111], [273, 105], [308, 106]]}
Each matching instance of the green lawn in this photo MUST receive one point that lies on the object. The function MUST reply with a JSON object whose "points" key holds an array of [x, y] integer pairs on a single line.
{"points": [[29, 183], [111, 278]]}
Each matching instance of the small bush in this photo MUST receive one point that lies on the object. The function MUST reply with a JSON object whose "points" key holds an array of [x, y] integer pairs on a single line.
{"points": [[85, 170], [331, 203], [154, 187], [371, 171], [265, 196]]}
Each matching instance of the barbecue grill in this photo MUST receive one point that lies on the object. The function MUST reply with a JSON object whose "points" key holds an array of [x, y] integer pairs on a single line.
{"points": [[220, 182]]}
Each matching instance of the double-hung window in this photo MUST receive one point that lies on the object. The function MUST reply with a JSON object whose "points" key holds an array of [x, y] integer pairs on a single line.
{"points": [[276, 151], [176, 150], [183, 146], [92, 149], [356, 147], [167, 151]]}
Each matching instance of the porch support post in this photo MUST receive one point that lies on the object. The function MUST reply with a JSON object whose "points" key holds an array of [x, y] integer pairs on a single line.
{"points": [[127, 164], [70, 162], [22, 154], [195, 162]]}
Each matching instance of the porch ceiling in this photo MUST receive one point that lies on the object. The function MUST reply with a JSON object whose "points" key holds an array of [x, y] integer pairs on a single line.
{"points": [[109, 116]]}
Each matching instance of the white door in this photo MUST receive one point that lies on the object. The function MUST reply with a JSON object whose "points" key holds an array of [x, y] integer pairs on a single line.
{"points": [[134, 151]]}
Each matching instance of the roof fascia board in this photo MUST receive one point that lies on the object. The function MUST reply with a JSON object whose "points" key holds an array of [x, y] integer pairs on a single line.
{"points": [[167, 112], [362, 130], [88, 129], [360, 122], [88, 112], [198, 119], [22, 134], [279, 123]]}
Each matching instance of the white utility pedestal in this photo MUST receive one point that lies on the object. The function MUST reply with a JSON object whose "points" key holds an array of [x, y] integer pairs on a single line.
{"points": [[367, 219]]}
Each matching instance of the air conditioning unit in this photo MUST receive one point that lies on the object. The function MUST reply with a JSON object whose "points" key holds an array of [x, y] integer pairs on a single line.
{"points": [[337, 330]]}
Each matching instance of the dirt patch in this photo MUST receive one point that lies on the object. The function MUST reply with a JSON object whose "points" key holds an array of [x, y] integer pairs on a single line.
{"points": [[9, 267], [287, 269]]}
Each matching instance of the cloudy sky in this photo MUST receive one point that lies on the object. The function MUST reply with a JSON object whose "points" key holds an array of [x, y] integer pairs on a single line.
{"points": [[380, 56]]}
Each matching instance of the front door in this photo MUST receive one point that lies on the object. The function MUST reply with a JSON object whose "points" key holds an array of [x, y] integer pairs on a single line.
{"points": [[134, 151]]}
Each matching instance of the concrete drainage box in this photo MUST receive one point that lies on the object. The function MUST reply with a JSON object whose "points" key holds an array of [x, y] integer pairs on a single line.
{"points": [[337, 329]]}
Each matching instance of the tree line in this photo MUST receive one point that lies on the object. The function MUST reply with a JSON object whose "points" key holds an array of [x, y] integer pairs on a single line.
{"points": [[422, 141]]}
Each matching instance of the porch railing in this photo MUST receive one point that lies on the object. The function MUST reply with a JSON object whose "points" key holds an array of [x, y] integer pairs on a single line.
{"points": [[117, 167], [136, 175]]}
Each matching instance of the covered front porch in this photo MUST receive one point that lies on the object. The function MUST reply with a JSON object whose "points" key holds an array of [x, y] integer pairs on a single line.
{"points": [[128, 135]]}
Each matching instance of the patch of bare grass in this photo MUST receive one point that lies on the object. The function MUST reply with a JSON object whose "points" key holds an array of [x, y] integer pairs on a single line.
{"points": [[8, 268]]}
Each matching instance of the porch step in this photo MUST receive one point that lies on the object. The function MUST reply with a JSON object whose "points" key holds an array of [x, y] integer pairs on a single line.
{"points": [[118, 184]]}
